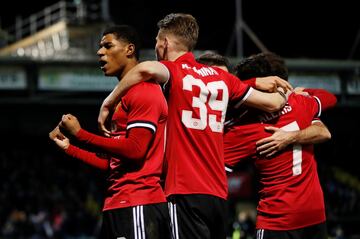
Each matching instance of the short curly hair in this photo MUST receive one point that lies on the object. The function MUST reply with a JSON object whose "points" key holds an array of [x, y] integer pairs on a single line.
{"points": [[262, 65], [214, 59]]}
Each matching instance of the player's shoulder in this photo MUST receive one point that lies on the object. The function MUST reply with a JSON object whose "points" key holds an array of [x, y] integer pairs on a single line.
{"points": [[146, 86], [300, 96], [301, 99]]}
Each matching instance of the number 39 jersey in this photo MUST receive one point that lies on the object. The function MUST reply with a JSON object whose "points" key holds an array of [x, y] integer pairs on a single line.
{"points": [[198, 96]]}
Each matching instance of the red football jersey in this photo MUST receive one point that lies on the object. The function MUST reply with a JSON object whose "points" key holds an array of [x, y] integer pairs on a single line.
{"points": [[197, 98], [132, 184], [290, 192]]}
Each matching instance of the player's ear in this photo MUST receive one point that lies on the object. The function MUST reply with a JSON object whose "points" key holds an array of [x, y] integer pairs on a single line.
{"points": [[166, 42], [130, 49]]}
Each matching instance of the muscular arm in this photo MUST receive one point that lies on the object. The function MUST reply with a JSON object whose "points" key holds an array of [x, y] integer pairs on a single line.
{"points": [[268, 83], [315, 133], [269, 102]]}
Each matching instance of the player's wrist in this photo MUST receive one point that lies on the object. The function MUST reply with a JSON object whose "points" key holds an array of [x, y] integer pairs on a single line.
{"points": [[281, 92]]}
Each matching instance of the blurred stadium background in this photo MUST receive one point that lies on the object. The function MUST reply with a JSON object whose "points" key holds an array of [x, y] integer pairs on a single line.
{"points": [[48, 67]]}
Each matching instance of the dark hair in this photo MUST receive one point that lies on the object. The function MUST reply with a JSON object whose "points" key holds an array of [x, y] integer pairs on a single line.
{"points": [[262, 65], [183, 26], [214, 59], [127, 34]]}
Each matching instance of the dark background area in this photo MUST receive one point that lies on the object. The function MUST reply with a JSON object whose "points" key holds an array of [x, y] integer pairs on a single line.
{"points": [[293, 29]]}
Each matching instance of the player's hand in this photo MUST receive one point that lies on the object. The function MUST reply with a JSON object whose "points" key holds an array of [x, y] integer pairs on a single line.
{"points": [[63, 143], [103, 116], [271, 83], [276, 142], [70, 123], [300, 91], [56, 133]]}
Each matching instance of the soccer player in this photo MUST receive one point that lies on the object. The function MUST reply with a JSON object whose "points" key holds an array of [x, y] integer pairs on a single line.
{"points": [[291, 203], [135, 205], [317, 132], [197, 96], [268, 84]]}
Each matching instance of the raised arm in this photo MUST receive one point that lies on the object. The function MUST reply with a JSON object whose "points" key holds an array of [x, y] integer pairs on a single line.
{"points": [[315, 133], [269, 102], [142, 72], [269, 83]]}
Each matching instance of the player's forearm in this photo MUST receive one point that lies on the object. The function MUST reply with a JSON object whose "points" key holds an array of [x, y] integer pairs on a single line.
{"points": [[87, 157], [133, 147], [269, 102], [315, 133]]}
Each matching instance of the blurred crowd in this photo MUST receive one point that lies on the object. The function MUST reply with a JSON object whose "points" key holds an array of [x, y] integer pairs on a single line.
{"points": [[47, 195]]}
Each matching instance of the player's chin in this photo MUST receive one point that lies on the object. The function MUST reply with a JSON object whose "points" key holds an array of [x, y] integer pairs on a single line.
{"points": [[107, 72]]}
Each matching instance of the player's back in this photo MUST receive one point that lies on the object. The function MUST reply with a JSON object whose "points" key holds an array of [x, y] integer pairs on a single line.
{"points": [[198, 98], [290, 192]]}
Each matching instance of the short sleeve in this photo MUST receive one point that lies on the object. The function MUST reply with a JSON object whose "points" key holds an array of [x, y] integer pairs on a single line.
{"points": [[146, 105]]}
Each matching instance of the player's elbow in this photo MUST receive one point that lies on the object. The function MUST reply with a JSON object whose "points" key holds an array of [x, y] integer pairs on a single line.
{"points": [[333, 100], [137, 156], [326, 135], [269, 102]]}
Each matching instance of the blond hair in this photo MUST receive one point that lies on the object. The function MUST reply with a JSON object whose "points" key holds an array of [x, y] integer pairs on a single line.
{"points": [[183, 26]]}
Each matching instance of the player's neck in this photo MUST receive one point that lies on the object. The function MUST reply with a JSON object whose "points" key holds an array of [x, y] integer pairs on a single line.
{"points": [[128, 67], [172, 56]]}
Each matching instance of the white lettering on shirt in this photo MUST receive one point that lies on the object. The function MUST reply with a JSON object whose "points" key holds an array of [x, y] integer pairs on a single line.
{"points": [[203, 71]]}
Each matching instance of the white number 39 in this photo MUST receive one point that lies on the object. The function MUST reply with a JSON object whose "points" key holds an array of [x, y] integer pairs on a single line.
{"points": [[202, 102]]}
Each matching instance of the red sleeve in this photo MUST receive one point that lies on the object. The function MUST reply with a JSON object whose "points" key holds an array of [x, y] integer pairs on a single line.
{"points": [[327, 99], [250, 82], [146, 105], [238, 90], [88, 157], [134, 146]]}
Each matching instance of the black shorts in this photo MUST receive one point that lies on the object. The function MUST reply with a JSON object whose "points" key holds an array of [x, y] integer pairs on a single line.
{"points": [[317, 231], [150, 221], [198, 216]]}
